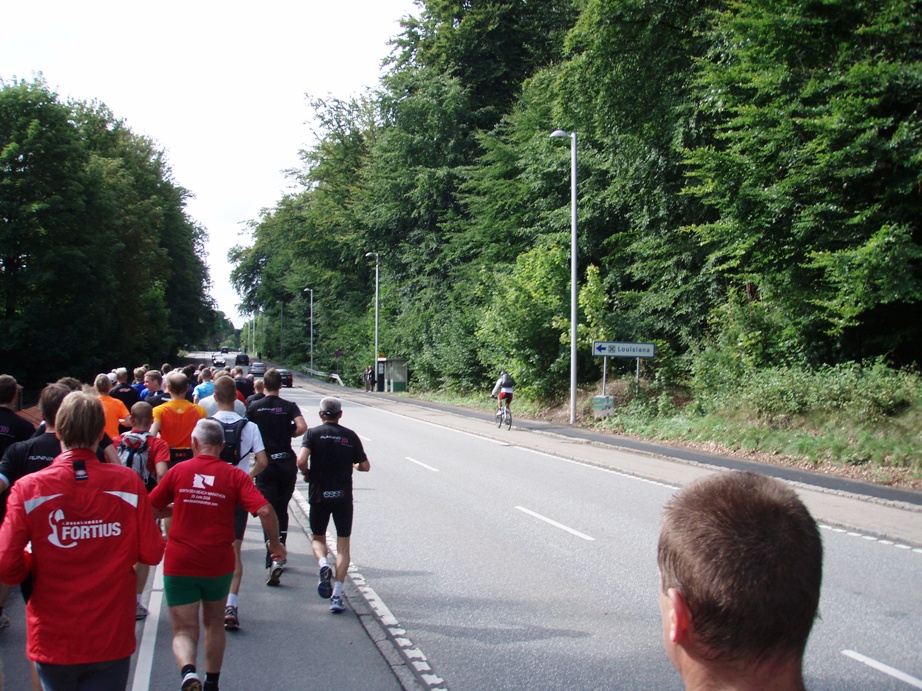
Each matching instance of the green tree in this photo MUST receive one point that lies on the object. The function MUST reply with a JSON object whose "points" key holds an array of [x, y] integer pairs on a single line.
{"points": [[815, 170]]}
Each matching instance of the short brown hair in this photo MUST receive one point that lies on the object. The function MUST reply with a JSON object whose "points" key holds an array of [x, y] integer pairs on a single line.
{"points": [[225, 390], [102, 383], [80, 421], [142, 413], [8, 389], [49, 401], [273, 380], [747, 557], [177, 382]]}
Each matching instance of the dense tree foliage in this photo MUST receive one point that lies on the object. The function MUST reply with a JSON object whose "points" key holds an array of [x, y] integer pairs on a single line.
{"points": [[99, 263], [750, 189]]}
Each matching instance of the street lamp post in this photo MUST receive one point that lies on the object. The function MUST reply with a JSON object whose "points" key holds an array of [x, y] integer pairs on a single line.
{"points": [[281, 329], [375, 360], [560, 134], [311, 291]]}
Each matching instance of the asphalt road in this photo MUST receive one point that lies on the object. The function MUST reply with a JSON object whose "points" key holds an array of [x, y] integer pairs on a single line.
{"points": [[525, 559]]}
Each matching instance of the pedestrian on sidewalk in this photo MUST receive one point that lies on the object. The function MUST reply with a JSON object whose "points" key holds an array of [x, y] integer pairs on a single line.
{"points": [[200, 494], [326, 459]]}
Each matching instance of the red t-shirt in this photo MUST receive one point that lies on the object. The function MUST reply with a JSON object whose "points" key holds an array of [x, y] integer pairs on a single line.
{"points": [[158, 451], [204, 491]]}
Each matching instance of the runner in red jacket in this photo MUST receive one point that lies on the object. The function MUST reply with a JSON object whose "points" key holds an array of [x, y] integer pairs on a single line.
{"points": [[89, 523]]}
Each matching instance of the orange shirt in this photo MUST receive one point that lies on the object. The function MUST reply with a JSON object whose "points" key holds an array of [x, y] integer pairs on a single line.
{"points": [[115, 410], [177, 418]]}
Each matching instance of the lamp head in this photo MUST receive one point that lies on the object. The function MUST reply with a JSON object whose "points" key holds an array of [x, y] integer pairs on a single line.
{"points": [[560, 134]]}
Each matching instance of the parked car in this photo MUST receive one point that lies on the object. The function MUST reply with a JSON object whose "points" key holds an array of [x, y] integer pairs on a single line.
{"points": [[217, 360], [287, 379], [258, 369], [242, 359]]}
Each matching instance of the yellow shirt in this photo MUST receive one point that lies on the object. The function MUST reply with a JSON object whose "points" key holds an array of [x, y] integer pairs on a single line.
{"points": [[177, 418]]}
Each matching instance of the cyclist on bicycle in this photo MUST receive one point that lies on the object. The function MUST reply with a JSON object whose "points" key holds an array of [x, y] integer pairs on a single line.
{"points": [[505, 386]]}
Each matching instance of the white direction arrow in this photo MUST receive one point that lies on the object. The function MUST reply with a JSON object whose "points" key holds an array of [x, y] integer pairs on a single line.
{"points": [[620, 349]]}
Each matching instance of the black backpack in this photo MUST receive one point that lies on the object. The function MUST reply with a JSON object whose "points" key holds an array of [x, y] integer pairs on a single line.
{"points": [[507, 380], [233, 435], [132, 452]]}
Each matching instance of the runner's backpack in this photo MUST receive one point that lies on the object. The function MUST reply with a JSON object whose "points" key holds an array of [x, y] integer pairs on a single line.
{"points": [[507, 380], [132, 451], [233, 436]]}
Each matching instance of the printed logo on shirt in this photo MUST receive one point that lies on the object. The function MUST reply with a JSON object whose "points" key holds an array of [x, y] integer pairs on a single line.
{"points": [[67, 534], [200, 493], [202, 481]]}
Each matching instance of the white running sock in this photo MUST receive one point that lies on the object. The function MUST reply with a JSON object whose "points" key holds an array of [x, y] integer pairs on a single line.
{"points": [[337, 589], [231, 600], [323, 562]]}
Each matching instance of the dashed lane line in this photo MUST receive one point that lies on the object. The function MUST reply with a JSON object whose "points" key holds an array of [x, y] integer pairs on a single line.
{"points": [[886, 669]]}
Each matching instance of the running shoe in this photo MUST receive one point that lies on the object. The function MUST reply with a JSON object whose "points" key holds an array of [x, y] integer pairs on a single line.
{"points": [[325, 586], [337, 604], [231, 622], [4, 621], [191, 682], [140, 612], [275, 573]]}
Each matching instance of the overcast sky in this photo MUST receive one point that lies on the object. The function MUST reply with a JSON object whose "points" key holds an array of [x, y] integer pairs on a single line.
{"points": [[220, 86]]}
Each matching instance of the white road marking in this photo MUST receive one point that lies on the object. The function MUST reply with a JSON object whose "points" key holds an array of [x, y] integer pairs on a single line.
{"points": [[434, 424], [871, 538], [886, 669], [410, 652], [555, 523], [427, 467], [144, 665]]}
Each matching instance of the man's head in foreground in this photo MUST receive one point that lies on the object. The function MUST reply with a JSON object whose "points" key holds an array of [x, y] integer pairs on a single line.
{"points": [[741, 563]]}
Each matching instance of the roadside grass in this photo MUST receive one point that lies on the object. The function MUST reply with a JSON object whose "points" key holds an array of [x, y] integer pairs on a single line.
{"points": [[861, 421], [851, 416]]}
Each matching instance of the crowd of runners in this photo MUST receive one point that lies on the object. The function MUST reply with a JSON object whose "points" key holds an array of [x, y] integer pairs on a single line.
{"points": [[122, 474]]}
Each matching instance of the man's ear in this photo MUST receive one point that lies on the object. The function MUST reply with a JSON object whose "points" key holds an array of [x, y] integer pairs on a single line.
{"points": [[680, 617]]}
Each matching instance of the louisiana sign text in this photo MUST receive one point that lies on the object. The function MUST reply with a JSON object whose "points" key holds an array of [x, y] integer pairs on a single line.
{"points": [[620, 349]]}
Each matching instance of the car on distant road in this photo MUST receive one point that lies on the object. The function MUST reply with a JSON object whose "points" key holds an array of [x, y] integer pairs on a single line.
{"points": [[242, 359], [225, 350], [258, 369], [287, 379], [218, 360]]}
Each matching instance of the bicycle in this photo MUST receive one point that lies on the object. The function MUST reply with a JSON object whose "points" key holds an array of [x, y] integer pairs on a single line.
{"points": [[503, 415]]}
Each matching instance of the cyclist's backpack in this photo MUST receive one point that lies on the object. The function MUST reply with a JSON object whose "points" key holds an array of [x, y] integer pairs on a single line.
{"points": [[233, 436], [132, 452], [507, 380]]}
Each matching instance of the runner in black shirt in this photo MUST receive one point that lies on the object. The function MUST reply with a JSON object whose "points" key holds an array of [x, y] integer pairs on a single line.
{"points": [[278, 421], [20, 459], [327, 457]]}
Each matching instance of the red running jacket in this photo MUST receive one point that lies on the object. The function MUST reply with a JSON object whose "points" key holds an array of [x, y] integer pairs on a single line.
{"points": [[87, 529]]}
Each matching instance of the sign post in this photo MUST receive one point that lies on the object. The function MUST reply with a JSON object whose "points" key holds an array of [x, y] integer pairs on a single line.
{"points": [[607, 349]]}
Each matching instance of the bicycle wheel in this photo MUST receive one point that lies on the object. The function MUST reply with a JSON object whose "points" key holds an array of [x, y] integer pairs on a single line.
{"points": [[508, 419], [499, 418]]}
